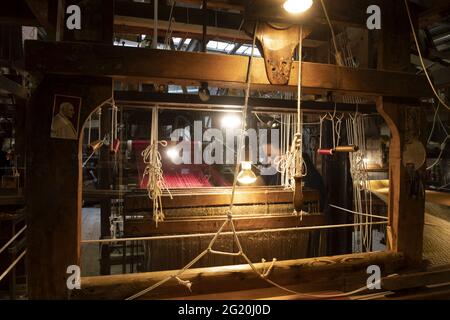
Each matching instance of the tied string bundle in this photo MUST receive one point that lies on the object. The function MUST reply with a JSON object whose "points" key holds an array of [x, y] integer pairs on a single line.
{"points": [[155, 182]]}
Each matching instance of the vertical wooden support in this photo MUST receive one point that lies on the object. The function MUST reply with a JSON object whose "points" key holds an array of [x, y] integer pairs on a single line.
{"points": [[54, 185], [104, 183], [406, 202]]}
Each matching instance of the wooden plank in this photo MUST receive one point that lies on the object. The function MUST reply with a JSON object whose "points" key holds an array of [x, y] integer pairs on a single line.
{"points": [[415, 280], [164, 66], [324, 272], [195, 199], [147, 227]]}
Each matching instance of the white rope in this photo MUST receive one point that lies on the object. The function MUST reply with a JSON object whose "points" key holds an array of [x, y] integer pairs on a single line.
{"points": [[291, 163], [359, 213], [153, 170], [361, 186]]}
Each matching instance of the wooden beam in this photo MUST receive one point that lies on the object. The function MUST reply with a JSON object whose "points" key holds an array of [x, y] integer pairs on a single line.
{"points": [[229, 102], [136, 25], [324, 273], [218, 70], [212, 4], [218, 197], [145, 26], [54, 222], [406, 202], [147, 227], [416, 280]]}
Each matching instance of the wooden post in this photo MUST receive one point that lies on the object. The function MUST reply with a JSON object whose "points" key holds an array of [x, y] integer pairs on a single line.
{"points": [[54, 184], [406, 202], [104, 183]]}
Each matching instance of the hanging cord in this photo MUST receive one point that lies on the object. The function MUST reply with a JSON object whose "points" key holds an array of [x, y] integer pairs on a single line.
{"points": [[169, 27], [291, 164], [362, 195], [241, 141], [153, 170], [421, 58], [337, 55]]}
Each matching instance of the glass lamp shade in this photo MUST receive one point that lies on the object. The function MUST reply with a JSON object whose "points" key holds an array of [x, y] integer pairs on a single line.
{"points": [[246, 175]]}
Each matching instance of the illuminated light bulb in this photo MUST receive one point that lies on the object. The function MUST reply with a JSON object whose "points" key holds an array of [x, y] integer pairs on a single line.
{"points": [[231, 121], [297, 6], [172, 154], [246, 175]]}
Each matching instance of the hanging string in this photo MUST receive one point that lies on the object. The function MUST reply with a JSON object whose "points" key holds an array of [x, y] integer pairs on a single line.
{"points": [[362, 195], [153, 171], [291, 163]]}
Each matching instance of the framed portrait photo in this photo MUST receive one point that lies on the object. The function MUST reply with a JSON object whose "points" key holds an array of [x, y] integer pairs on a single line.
{"points": [[65, 117]]}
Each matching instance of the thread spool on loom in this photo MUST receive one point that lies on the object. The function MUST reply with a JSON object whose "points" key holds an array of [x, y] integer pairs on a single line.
{"points": [[340, 149]]}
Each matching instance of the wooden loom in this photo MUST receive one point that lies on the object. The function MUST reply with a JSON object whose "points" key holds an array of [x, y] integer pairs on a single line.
{"points": [[88, 74]]}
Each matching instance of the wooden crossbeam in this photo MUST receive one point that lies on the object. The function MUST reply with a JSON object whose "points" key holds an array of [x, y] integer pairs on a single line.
{"points": [[187, 68], [196, 199], [339, 271], [191, 101]]}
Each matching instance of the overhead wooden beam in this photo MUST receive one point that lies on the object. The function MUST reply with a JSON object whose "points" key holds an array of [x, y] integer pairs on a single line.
{"points": [[145, 26], [126, 24], [218, 70], [212, 4], [229, 102]]}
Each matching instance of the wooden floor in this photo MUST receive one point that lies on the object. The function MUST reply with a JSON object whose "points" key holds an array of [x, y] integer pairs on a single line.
{"points": [[90, 253]]}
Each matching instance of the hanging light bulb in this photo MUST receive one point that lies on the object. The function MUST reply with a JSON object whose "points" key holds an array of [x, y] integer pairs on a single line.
{"points": [[246, 175], [172, 153], [231, 121], [297, 6]]}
